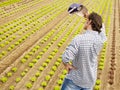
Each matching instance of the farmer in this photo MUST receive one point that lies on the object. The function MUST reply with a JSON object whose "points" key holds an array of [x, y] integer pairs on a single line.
{"points": [[83, 52]]}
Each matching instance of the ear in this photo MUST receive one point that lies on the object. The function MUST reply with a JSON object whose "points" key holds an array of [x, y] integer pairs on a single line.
{"points": [[89, 22]]}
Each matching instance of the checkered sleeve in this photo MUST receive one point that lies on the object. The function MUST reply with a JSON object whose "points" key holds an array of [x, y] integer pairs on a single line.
{"points": [[103, 33], [70, 51], [97, 47]]}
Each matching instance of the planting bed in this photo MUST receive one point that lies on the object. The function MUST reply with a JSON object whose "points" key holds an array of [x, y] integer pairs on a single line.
{"points": [[35, 33]]}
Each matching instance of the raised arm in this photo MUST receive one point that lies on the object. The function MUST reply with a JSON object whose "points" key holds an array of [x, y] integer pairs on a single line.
{"points": [[103, 33]]}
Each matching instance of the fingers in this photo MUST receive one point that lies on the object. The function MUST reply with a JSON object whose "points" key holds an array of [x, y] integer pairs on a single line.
{"points": [[70, 67]]}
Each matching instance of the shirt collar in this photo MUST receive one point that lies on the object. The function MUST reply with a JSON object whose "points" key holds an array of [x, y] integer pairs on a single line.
{"points": [[91, 32]]}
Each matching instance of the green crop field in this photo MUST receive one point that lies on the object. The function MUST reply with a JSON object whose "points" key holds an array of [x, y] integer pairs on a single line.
{"points": [[35, 33]]}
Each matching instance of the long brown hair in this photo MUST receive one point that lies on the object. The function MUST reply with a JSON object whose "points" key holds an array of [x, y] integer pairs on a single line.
{"points": [[96, 21]]}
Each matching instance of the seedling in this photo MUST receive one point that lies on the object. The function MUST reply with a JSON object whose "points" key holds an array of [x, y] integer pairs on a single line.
{"points": [[62, 77], [65, 72], [17, 43], [53, 53], [47, 47], [101, 67], [40, 88], [1, 55], [4, 52], [98, 82], [42, 42], [102, 60], [33, 79], [37, 47], [51, 73], [0, 39], [24, 38], [12, 46], [59, 60], [14, 69], [34, 60], [26, 70], [101, 64], [97, 87], [29, 85], [31, 65], [50, 57], [23, 74], [18, 79], [30, 53], [37, 74], [47, 77], [54, 39], [45, 39], [26, 56], [41, 53], [103, 50], [59, 82], [23, 60], [4, 37], [1, 33], [55, 50], [57, 88], [102, 56], [20, 40], [54, 68], [47, 61], [4, 79], [9, 74], [2, 45], [11, 87], [41, 68], [44, 64], [44, 50], [38, 57], [49, 44], [44, 84], [57, 63]]}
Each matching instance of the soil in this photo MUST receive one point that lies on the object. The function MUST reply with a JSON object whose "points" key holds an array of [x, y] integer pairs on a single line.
{"points": [[109, 76]]}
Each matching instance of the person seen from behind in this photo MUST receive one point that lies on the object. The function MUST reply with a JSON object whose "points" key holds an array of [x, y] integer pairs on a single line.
{"points": [[82, 52]]}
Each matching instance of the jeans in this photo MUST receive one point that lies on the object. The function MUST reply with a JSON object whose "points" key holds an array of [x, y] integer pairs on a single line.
{"points": [[69, 85]]}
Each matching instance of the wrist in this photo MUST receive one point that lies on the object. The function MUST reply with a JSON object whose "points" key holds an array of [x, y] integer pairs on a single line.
{"points": [[65, 63]]}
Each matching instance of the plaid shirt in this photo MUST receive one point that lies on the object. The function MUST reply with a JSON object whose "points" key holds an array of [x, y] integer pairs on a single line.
{"points": [[83, 52]]}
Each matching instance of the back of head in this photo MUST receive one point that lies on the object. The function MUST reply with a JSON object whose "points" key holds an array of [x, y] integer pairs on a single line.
{"points": [[96, 21]]}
